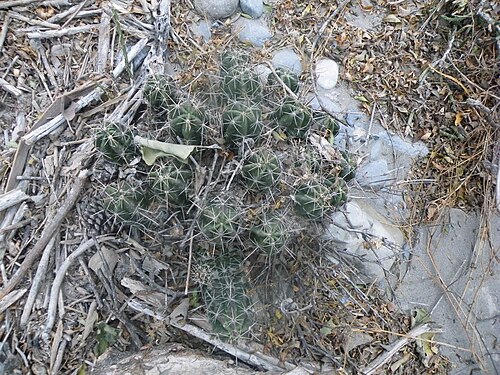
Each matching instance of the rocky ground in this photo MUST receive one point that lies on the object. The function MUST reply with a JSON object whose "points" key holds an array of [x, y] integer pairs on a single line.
{"points": [[401, 278]]}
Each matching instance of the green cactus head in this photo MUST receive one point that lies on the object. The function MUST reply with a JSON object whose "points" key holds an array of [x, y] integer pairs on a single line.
{"points": [[294, 117], [116, 143], [172, 182], [227, 304], [232, 61], [219, 222], [339, 191], [313, 199], [243, 86], [270, 234], [241, 121], [348, 167], [160, 92], [186, 122], [261, 171], [289, 78], [124, 201]]}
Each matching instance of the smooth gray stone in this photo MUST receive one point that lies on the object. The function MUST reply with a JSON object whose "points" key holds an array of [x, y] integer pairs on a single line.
{"points": [[254, 8], [252, 31], [287, 58], [215, 9]]}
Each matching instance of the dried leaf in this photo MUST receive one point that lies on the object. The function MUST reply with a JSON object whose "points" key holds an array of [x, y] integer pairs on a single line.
{"points": [[391, 18], [151, 150], [105, 256]]}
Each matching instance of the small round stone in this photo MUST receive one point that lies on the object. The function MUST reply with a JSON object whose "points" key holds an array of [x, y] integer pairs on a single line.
{"points": [[327, 73], [216, 9]]}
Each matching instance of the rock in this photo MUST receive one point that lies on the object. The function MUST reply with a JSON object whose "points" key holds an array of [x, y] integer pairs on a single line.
{"points": [[375, 173], [254, 8], [202, 28], [327, 73], [362, 236], [287, 58], [252, 31], [215, 9]]}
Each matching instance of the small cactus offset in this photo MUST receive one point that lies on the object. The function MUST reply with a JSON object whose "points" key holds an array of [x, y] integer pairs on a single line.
{"points": [[339, 190], [288, 77], [171, 182], [116, 143], [270, 235], [347, 167], [124, 201], [242, 86], [294, 117], [227, 304], [160, 92], [186, 122], [261, 171], [241, 121], [219, 222], [314, 199], [327, 124]]}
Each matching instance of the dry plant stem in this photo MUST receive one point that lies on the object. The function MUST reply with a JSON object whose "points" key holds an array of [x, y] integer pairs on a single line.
{"points": [[394, 348], [56, 285], [9, 88], [12, 198], [103, 43], [61, 32], [58, 120], [36, 283], [5, 29], [32, 21], [47, 234]]}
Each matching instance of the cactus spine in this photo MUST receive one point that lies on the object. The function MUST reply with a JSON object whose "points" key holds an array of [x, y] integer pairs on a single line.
{"points": [[261, 171], [294, 117]]}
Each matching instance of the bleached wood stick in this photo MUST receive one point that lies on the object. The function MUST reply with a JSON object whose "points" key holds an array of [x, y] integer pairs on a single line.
{"points": [[57, 121], [12, 198], [9, 88], [62, 32]]}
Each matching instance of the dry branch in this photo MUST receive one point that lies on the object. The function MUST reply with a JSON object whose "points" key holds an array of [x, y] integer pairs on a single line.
{"points": [[46, 235], [62, 32], [12, 198]]}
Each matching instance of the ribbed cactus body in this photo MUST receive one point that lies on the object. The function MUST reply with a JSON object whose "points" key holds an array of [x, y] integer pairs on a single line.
{"points": [[232, 61], [294, 117], [228, 307], [160, 92], [186, 121], [219, 222], [347, 167], [116, 143], [241, 121], [242, 86], [313, 199], [289, 78], [261, 171], [270, 234], [124, 201], [171, 182]]}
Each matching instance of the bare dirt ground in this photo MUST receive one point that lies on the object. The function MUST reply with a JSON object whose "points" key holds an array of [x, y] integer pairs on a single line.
{"points": [[428, 69]]}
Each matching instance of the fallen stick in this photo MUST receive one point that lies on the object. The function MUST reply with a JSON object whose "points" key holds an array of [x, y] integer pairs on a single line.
{"points": [[62, 32], [394, 348], [9, 88], [47, 233], [12, 198]]}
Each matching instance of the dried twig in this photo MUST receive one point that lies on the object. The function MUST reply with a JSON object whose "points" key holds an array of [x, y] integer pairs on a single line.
{"points": [[394, 348], [12, 198], [9, 88], [47, 234], [5, 29], [61, 32]]}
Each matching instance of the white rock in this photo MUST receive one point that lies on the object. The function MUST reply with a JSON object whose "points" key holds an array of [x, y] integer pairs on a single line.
{"points": [[254, 8], [364, 237], [215, 9], [327, 73], [202, 28], [263, 72]]}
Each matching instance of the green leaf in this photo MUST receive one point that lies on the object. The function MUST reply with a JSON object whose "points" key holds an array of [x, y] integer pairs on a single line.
{"points": [[106, 336], [151, 150]]}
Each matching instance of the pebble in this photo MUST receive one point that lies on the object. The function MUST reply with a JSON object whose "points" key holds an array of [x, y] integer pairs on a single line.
{"points": [[254, 8], [215, 9], [327, 73], [287, 58], [252, 31], [202, 29]]}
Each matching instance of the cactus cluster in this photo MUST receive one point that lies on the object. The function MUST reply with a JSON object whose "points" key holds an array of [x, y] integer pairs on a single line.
{"points": [[228, 306], [261, 172], [116, 143], [263, 181]]}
